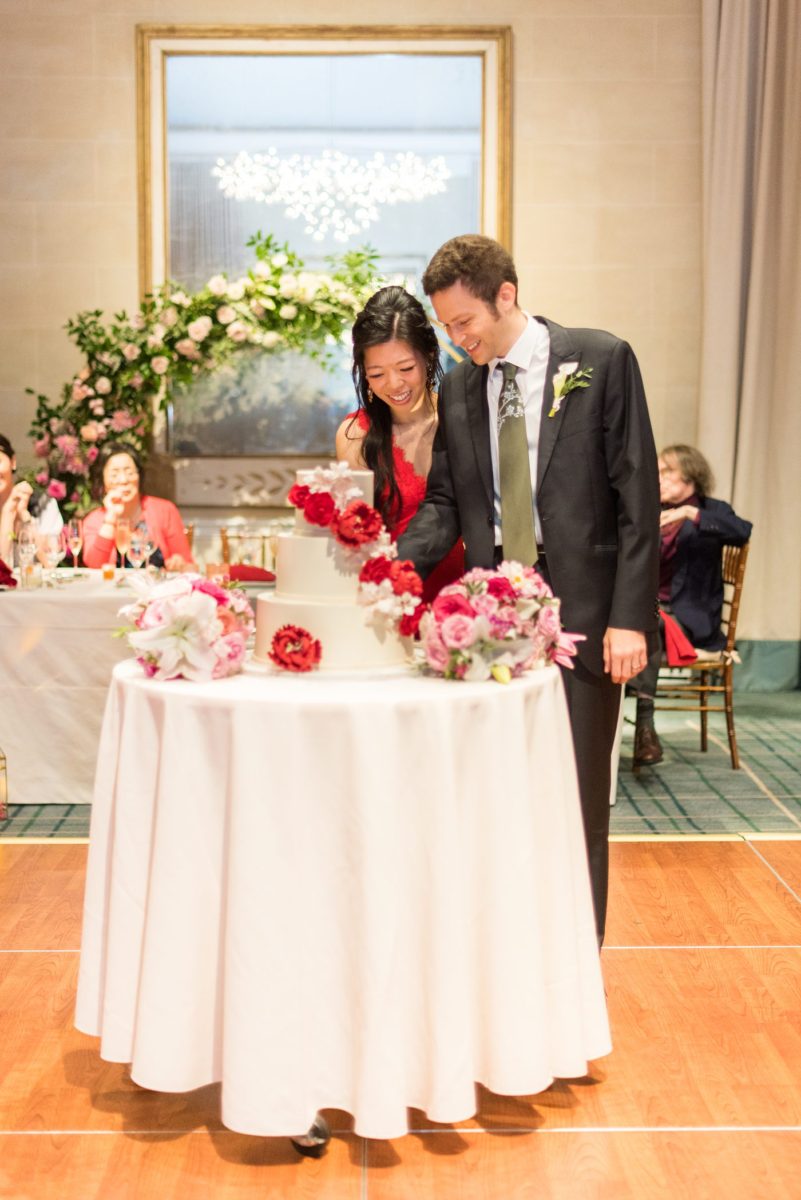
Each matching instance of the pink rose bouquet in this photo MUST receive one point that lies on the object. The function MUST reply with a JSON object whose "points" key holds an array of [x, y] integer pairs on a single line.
{"points": [[495, 625], [187, 628]]}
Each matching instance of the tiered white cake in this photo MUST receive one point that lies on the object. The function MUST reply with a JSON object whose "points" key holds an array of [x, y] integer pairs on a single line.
{"points": [[316, 585]]}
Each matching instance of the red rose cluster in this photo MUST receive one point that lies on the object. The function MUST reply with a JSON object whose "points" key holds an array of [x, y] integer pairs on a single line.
{"points": [[294, 649], [404, 579]]}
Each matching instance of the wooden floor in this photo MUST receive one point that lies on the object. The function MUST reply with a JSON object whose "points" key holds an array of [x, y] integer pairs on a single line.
{"points": [[701, 1096]]}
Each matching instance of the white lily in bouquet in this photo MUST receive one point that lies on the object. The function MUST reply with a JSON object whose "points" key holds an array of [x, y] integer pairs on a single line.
{"points": [[188, 628]]}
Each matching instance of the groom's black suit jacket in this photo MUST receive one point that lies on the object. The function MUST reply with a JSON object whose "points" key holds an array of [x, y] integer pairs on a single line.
{"points": [[597, 488]]}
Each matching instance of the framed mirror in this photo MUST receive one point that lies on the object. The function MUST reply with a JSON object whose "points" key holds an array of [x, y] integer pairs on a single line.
{"points": [[329, 138]]}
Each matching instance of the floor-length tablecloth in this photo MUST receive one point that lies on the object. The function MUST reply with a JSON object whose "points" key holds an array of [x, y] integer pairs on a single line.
{"points": [[363, 894], [57, 653]]}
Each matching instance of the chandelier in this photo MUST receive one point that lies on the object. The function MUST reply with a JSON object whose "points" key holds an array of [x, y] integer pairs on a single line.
{"points": [[335, 192]]}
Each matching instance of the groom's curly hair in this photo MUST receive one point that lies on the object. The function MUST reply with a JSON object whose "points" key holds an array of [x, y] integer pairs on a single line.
{"points": [[479, 263]]}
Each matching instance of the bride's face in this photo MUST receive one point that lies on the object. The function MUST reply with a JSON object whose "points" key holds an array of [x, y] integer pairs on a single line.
{"points": [[396, 372]]}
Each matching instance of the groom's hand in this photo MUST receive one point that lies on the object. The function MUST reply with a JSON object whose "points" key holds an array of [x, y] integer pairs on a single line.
{"points": [[625, 653]]}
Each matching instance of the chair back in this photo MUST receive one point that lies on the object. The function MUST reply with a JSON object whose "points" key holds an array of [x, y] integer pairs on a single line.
{"points": [[189, 530], [733, 570], [243, 545]]}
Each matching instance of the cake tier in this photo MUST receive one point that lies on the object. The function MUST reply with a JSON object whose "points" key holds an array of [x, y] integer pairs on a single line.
{"points": [[316, 568], [348, 641]]}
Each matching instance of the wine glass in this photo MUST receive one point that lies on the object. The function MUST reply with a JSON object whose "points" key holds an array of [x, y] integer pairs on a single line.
{"points": [[122, 537], [74, 537], [139, 550], [51, 551]]}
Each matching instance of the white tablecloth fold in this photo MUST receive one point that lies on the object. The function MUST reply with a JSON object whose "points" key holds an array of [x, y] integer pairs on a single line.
{"points": [[362, 894]]}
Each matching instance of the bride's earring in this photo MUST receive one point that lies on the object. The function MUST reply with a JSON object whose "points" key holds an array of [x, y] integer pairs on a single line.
{"points": [[369, 394]]}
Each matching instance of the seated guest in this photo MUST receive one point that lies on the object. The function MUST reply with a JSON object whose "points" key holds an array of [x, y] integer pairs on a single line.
{"points": [[19, 502], [695, 528], [396, 369], [118, 472]]}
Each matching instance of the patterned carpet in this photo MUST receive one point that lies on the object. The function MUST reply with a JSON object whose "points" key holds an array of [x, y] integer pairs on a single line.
{"points": [[689, 793]]}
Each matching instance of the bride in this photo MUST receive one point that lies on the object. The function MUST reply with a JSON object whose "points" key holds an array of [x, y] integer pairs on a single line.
{"points": [[396, 369]]}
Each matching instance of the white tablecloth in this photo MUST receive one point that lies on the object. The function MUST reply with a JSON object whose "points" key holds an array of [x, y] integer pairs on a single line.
{"points": [[56, 657], [360, 894]]}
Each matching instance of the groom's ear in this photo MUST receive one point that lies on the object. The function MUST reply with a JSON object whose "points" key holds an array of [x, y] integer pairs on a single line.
{"points": [[506, 298]]}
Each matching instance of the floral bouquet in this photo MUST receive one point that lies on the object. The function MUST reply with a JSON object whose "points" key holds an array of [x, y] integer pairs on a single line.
{"points": [[188, 628], [495, 624]]}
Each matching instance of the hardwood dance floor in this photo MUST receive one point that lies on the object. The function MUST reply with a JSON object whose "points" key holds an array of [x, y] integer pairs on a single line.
{"points": [[701, 1096]]}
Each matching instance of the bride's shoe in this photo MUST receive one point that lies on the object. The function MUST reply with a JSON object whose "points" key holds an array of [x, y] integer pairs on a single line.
{"points": [[313, 1143]]}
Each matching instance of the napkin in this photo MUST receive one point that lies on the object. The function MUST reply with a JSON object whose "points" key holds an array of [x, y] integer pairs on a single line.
{"points": [[6, 578], [245, 573]]}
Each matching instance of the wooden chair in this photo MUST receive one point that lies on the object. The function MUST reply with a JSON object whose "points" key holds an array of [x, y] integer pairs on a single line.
{"points": [[244, 545], [189, 530], [711, 675]]}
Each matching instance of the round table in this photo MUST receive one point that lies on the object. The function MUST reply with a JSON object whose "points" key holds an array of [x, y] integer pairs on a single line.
{"points": [[356, 893]]}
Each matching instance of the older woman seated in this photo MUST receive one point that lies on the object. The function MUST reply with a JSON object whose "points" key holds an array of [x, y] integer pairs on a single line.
{"points": [[19, 502], [695, 528], [118, 473]]}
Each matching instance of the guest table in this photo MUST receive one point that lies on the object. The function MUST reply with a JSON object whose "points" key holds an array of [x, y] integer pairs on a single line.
{"points": [[363, 893], [56, 657]]}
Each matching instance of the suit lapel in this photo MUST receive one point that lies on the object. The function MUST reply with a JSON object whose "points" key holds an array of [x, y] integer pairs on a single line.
{"points": [[562, 350], [475, 386]]}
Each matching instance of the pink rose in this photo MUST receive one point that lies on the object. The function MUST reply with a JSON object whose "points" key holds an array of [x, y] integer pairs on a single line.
{"points": [[187, 347], [486, 605], [89, 432], [448, 602], [41, 448], [130, 351], [42, 478], [225, 314], [91, 454], [160, 364], [458, 631], [56, 489], [121, 420], [237, 331], [435, 649], [103, 386]]}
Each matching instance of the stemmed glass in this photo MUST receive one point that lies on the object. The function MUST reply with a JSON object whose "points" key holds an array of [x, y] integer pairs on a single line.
{"points": [[51, 552], [74, 537], [26, 549], [139, 551], [122, 538]]}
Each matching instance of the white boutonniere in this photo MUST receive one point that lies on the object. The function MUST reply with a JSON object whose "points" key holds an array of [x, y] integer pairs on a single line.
{"points": [[565, 380]]}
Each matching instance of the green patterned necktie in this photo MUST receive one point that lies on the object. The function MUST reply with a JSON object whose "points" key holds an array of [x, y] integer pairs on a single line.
{"points": [[517, 515]]}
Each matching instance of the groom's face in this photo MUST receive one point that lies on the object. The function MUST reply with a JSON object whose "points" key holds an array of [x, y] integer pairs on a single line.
{"points": [[472, 324]]}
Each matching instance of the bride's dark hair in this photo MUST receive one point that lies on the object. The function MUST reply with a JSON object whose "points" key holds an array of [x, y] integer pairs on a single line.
{"points": [[392, 314]]}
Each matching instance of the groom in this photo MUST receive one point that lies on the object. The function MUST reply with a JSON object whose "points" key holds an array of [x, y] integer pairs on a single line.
{"points": [[571, 484]]}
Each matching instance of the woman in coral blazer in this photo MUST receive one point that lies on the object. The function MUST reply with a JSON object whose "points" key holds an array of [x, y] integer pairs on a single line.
{"points": [[119, 469]]}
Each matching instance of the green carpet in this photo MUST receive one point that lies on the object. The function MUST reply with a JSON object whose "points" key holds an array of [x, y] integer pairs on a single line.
{"points": [[689, 792]]}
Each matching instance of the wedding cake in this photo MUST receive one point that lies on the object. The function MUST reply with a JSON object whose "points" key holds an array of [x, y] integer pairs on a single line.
{"points": [[317, 580]]}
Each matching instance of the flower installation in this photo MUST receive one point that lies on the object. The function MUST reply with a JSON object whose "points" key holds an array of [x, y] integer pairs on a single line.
{"points": [[389, 588], [495, 624], [132, 362], [566, 379], [187, 627]]}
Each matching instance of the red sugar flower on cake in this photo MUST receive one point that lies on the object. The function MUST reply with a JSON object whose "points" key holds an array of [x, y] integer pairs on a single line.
{"points": [[294, 649], [319, 508], [376, 569], [298, 494], [404, 578], [357, 524], [410, 622]]}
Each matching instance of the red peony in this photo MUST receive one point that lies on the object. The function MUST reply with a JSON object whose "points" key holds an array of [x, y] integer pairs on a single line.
{"points": [[298, 494], [319, 508], [410, 622], [376, 569], [294, 649], [357, 524], [500, 587], [405, 578]]}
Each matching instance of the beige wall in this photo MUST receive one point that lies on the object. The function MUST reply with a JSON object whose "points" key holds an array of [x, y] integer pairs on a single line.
{"points": [[607, 127]]}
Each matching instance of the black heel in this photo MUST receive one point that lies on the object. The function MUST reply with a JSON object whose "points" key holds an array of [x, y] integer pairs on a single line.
{"points": [[313, 1143]]}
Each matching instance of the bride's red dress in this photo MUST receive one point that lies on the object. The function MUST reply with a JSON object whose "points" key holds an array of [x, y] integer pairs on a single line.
{"points": [[412, 489]]}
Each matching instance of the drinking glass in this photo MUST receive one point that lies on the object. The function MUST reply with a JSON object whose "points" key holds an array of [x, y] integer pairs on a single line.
{"points": [[74, 537], [139, 550], [26, 550], [51, 551], [122, 538]]}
